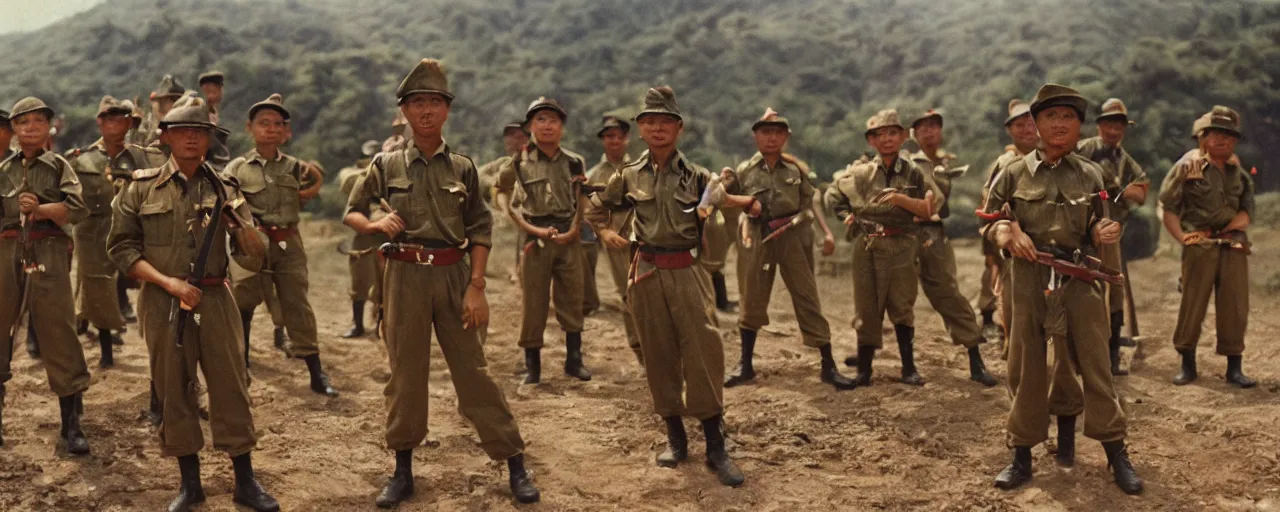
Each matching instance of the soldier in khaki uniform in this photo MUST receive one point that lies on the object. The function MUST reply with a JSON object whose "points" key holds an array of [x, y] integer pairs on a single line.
{"points": [[163, 98], [103, 168], [540, 190], [883, 197], [1127, 188], [720, 234], [781, 192], [366, 273], [1021, 128], [273, 184], [1208, 205], [514, 139], [158, 229], [669, 292], [1048, 201], [614, 134], [211, 85], [437, 216], [937, 259], [41, 196]]}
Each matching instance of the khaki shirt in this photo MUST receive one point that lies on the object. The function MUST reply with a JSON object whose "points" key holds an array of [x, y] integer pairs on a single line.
{"points": [[540, 186], [861, 182], [489, 175], [100, 174], [437, 196], [1009, 156], [270, 186], [937, 170], [664, 201], [1055, 205], [161, 217], [48, 176], [599, 176], [1204, 197], [783, 191], [1119, 170]]}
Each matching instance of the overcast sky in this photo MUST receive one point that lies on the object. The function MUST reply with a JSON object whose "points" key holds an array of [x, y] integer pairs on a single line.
{"points": [[23, 15]]}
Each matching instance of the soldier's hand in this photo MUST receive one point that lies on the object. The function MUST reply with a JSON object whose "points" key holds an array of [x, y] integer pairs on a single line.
{"points": [[613, 240], [1193, 237], [726, 175], [183, 291], [1020, 245], [475, 308], [828, 245], [848, 221], [392, 225], [755, 209], [28, 202], [544, 233], [564, 238], [1106, 232]]}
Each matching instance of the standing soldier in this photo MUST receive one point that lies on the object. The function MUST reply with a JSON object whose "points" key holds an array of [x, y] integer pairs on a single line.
{"points": [[883, 197], [540, 189], [1021, 128], [436, 216], [781, 240], [1208, 204], [937, 258], [210, 85], [167, 223], [163, 98], [104, 168], [41, 196], [670, 293], [614, 134], [366, 273], [1127, 187], [1049, 201], [720, 233], [514, 138], [272, 183]]}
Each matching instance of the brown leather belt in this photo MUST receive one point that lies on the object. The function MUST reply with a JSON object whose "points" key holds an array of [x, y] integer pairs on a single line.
{"points": [[278, 233], [417, 254], [35, 234], [208, 282], [668, 260]]}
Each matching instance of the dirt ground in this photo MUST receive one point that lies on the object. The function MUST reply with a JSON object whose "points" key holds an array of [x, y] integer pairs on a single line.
{"points": [[591, 445]]}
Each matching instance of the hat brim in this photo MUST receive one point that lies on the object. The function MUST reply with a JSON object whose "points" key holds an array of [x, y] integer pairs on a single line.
{"points": [[409, 94], [116, 110], [898, 126], [528, 116], [760, 124], [253, 111], [1080, 105], [622, 125], [218, 81], [1113, 117], [187, 124], [47, 110], [644, 113], [922, 119], [1224, 128]]}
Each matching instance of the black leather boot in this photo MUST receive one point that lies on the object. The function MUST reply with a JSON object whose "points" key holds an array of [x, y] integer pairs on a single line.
{"points": [[1066, 456], [155, 412], [122, 295], [1117, 321], [1118, 462], [978, 369], [105, 340], [828, 373], [677, 444], [1236, 376], [745, 371], [1017, 473], [400, 487], [521, 483], [247, 491], [280, 339], [1188, 373], [82, 327], [70, 433], [573, 357], [717, 457], [191, 492], [533, 363], [357, 320], [866, 354], [246, 320], [906, 349], [319, 379], [33, 343], [722, 294]]}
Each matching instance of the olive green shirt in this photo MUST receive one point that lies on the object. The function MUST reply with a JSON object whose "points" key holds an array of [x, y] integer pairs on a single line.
{"points": [[1119, 170], [783, 190], [100, 173], [1204, 197], [437, 196], [664, 201], [861, 182], [48, 176], [936, 169], [599, 176], [539, 185], [270, 186], [1055, 205]]}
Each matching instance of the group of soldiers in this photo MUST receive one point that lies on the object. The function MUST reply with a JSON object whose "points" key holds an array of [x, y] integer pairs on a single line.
{"points": [[159, 201]]}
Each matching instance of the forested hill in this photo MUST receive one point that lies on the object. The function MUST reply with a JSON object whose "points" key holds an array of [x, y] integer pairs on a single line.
{"points": [[825, 64]]}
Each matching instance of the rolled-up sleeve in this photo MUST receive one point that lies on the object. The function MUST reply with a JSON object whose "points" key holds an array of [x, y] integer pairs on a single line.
{"points": [[124, 243]]}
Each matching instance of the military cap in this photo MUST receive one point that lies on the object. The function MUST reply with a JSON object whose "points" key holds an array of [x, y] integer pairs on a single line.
{"points": [[771, 118], [274, 102], [1114, 108], [928, 114], [190, 111], [545, 103], [212, 77], [134, 113], [1220, 118], [1199, 125], [514, 125], [110, 105], [169, 87], [370, 147], [28, 105], [427, 77], [883, 119], [660, 100], [1017, 108], [1054, 95], [611, 122]]}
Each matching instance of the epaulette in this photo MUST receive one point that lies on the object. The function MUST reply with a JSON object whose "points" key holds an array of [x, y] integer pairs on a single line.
{"points": [[146, 174], [72, 153], [790, 158], [466, 158]]}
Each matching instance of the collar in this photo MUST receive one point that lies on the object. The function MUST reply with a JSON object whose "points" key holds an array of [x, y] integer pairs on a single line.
{"points": [[170, 172], [626, 157], [677, 161], [413, 153], [920, 156], [758, 160], [897, 169], [49, 158], [1034, 161], [532, 153], [254, 157]]}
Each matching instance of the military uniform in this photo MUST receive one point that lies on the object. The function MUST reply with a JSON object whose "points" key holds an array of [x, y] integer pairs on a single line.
{"points": [[619, 260], [168, 88], [366, 272]]}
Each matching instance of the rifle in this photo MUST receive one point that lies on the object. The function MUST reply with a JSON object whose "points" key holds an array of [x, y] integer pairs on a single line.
{"points": [[1085, 268], [211, 224]]}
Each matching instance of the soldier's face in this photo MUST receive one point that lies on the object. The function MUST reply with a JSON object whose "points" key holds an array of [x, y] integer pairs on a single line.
{"points": [[513, 140], [212, 92], [1023, 132], [426, 114], [770, 139], [1219, 144], [547, 127], [887, 140], [1112, 131], [187, 142], [32, 129], [114, 126], [929, 133], [1059, 127], [660, 131], [614, 141], [269, 128]]}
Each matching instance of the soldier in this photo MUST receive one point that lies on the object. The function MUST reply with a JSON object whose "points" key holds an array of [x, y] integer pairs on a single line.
{"points": [[1208, 204], [273, 185], [104, 168], [883, 197], [514, 138], [1021, 128], [781, 240], [669, 293], [366, 273], [1048, 202], [1127, 187], [937, 259], [160, 226], [720, 233], [41, 196], [163, 98], [210, 85], [436, 214], [540, 190], [614, 135]]}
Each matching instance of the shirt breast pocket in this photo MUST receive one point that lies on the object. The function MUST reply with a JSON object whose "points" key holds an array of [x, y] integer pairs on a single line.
{"points": [[645, 204], [453, 198], [534, 192], [157, 224], [402, 196], [1029, 204]]}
